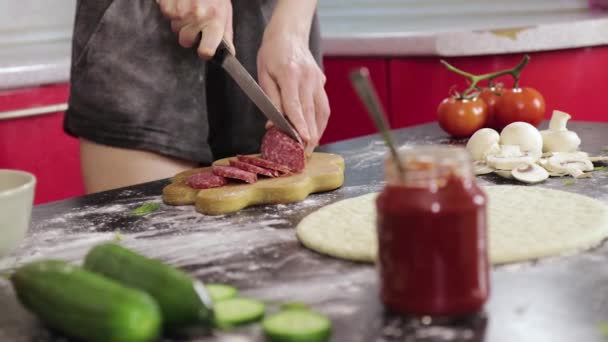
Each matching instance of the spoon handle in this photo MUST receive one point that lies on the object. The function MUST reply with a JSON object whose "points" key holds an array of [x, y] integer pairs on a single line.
{"points": [[362, 83]]}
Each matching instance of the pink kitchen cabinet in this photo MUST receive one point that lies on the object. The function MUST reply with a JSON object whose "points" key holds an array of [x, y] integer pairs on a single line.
{"points": [[37, 143], [349, 118], [570, 80]]}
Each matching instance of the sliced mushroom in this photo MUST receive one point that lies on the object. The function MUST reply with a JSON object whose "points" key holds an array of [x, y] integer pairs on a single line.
{"points": [[570, 155], [568, 163], [598, 159], [504, 174], [576, 173], [510, 157], [481, 168], [530, 173], [543, 162]]}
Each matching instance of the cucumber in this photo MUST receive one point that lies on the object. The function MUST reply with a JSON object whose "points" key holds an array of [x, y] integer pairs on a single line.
{"points": [[85, 305], [181, 301], [219, 292], [238, 311], [297, 325]]}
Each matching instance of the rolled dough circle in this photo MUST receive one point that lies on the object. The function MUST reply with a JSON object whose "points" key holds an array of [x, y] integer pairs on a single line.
{"points": [[525, 223]]}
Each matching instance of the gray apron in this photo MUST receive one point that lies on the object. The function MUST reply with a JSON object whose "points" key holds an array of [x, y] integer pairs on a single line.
{"points": [[133, 86]]}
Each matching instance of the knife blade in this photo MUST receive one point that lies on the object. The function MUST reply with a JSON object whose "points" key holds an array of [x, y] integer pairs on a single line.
{"points": [[224, 57]]}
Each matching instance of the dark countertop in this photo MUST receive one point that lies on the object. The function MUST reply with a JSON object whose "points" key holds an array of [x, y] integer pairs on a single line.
{"points": [[556, 299]]}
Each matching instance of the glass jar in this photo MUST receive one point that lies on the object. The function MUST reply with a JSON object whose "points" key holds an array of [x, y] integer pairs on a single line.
{"points": [[432, 235]]}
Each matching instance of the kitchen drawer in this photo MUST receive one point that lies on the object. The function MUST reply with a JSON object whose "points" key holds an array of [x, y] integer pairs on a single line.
{"points": [[570, 80], [32, 139], [349, 118]]}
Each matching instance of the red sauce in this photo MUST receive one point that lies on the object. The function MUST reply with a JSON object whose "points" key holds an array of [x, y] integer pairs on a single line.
{"points": [[433, 248]]}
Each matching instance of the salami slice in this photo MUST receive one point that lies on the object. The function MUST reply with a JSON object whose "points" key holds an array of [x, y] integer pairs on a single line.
{"points": [[254, 168], [278, 147], [206, 180], [235, 173], [267, 164]]}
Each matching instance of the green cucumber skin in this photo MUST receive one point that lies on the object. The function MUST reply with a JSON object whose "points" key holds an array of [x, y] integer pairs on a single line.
{"points": [[85, 305], [173, 289]]}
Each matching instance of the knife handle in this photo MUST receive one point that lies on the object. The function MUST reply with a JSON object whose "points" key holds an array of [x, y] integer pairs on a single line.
{"points": [[221, 52]]}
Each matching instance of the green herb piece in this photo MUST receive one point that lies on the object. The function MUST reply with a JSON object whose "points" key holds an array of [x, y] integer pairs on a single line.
{"points": [[294, 306], [569, 182], [603, 328], [600, 168], [118, 237], [6, 274], [145, 209]]}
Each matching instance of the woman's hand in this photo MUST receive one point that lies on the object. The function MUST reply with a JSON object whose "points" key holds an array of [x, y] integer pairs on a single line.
{"points": [[290, 76], [191, 17]]}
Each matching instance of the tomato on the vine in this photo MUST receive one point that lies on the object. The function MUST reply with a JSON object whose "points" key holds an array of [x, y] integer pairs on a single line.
{"points": [[519, 104], [462, 117], [490, 96]]}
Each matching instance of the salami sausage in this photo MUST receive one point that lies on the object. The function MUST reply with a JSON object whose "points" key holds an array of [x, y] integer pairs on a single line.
{"points": [[235, 173], [206, 180], [264, 163], [254, 168], [278, 147]]}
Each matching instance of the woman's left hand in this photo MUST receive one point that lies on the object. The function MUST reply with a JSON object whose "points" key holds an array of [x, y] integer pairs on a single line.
{"points": [[293, 80]]}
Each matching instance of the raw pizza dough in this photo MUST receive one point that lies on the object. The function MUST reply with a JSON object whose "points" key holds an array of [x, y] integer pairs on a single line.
{"points": [[524, 223]]}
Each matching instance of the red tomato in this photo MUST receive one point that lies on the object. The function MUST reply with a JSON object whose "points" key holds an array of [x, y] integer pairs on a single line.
{"points": [[519, 104], [490, 97], [461, 118]]}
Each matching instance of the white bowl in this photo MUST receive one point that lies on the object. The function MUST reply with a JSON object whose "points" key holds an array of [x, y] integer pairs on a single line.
{"points": [[16, 200]]}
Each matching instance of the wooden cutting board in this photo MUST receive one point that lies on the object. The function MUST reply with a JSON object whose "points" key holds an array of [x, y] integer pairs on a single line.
{"points": [[323, 172]]}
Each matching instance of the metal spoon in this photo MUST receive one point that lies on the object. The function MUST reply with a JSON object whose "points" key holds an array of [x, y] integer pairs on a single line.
{"points": [[365, 89]]}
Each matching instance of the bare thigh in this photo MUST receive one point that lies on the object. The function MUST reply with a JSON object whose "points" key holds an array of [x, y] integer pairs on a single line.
{"points": [[105, 167]]}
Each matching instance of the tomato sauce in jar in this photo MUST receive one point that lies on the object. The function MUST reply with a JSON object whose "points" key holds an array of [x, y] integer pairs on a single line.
{"points": [[432, 235]]}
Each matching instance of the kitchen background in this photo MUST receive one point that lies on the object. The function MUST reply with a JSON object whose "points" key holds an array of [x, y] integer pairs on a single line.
{"points": [[400, 41]]}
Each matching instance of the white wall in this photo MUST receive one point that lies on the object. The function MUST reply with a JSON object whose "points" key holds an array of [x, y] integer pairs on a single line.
{"points": [[28, 21]]}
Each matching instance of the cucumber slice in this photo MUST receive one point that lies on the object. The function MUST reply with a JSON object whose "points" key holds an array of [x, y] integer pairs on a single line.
{"points": [[297, 326], [237, 311], [219, 292]]}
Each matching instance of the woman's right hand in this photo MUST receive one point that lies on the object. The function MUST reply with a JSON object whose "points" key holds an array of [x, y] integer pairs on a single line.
{"points": [[190, 17]]}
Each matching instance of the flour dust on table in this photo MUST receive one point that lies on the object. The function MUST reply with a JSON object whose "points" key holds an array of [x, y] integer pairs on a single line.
{"points": [[525, 223]]}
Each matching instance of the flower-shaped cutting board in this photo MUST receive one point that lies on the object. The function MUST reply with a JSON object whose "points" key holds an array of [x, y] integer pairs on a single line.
{"points": [[323, 172]]}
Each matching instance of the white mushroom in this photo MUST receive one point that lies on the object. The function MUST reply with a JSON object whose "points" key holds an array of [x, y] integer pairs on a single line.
{"points": [[530, 173], [483, 143], [524, 135], [558, 138], [509, 157]]}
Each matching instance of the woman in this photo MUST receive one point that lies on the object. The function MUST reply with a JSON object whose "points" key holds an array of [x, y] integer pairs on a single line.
{"points": [[145, 105]]}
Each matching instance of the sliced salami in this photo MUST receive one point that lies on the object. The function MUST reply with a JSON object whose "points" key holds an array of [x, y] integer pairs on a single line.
{"points": [[254, 168], [235, 173], [278, 147], [267, 164], [206, 180]]}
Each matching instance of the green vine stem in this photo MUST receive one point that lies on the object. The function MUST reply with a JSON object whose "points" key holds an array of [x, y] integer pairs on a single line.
{"points": [[475, 79]]}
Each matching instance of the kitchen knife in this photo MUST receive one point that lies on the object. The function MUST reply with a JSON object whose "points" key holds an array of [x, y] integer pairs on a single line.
{"points": [[235, 69]]}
